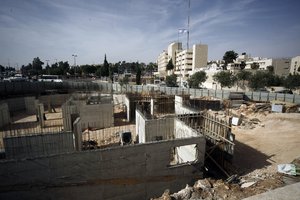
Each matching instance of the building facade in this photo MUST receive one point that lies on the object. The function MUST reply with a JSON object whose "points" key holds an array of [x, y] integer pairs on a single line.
{"points": [[185, 61], [295, 65]]}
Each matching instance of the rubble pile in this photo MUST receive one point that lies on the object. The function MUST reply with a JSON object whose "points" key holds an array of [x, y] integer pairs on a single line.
{"points": [[256, 182]]}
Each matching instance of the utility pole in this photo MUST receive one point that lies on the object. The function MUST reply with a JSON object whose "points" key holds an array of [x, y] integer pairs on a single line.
{"points": [[188, 28]]}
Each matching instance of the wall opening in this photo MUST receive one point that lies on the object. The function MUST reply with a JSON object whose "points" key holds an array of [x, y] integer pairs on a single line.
{"points": [[183, 154]]}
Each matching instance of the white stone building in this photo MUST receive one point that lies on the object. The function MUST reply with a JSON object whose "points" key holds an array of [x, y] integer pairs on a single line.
{"points": [[295, 65], [185, 61]]}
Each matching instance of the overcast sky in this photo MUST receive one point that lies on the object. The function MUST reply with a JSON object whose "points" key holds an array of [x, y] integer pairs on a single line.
{"points": [[139, 30]]}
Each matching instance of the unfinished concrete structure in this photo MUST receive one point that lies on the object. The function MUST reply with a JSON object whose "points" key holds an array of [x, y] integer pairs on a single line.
{"points": [[152, 103], [94, 110], [190, 122], [171, 153], [128, 172]]}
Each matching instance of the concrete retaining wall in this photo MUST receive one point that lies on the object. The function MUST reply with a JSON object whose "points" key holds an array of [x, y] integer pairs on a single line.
{"points": [[56, 100], [38, 145], [153, 129], [69, 115], [97, 115], [128, 172], [30, 105], [180, 108]]}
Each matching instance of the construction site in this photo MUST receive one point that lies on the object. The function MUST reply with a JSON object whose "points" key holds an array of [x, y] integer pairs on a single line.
{"points": [[110, 142]]}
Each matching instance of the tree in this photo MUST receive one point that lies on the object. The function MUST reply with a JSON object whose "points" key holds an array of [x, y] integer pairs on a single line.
{"points": [[124, 81], [88, 69], [258, 80], [270, 68], [37, 66], [243, 76], [225, 78], [105, 68], [170, 65], [138, 75], [255, 66], [228, 57], [171, 80], [292, 81], [151, 67], [197, 79], [243, 65]]}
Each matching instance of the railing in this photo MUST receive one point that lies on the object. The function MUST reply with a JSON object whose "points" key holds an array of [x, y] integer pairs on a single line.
{"points": [[33, 88]]}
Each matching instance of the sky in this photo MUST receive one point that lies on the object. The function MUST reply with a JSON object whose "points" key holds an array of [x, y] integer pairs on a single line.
{"points": [[139, 30]]}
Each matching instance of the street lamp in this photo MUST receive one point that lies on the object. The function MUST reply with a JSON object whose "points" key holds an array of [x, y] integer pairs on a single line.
{"points": [[74, 55]]}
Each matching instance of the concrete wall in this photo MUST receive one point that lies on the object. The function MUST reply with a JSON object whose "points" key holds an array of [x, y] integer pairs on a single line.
{"points": [[4, 114], [68, 109], [128, 172], [127, 104], [91, 115], [54, 99], [15, 104], [186, 153], [38, 145], [30, 105], [183, 131], [180, 108], [151, 129], [96, 115]]}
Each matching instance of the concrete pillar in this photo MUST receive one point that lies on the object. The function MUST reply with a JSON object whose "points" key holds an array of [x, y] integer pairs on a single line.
{"points": [[40, 114], [77, 131], [4, 115]]}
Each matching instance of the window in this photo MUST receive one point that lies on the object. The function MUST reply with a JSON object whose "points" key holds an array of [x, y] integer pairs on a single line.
{"points": [[183, 154]]}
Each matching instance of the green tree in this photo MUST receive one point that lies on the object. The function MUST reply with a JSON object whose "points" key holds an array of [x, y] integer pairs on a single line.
{"points": [[270, 68], [258, 80], [229, 57], [197, 79], [292, 81], [255, 66], [225, 78], [170, 65], [88, 69], [138, 75], [243, 65], [171, 80], [124, 81], [243, 76], [105, 68], [151, 67], [37, 66]]}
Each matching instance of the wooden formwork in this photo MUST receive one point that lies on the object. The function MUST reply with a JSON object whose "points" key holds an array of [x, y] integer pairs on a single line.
{"points": [[217, 131]]}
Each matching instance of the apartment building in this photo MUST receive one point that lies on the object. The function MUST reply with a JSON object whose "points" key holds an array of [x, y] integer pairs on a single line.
{"points": [[281, 65], [295, 65], [185, 61]]}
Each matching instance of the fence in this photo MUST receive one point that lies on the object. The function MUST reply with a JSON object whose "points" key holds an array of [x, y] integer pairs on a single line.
{"points": [[26, 88]]}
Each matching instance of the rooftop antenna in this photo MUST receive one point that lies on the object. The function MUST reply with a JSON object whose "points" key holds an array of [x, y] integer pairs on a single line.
{"points": [[188, 28]]}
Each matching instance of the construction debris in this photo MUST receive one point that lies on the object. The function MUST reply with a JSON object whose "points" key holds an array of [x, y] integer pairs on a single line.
{"points": [[253, 183]]}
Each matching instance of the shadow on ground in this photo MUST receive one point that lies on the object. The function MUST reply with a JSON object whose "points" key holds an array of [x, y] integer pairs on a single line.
{"points": [[247, 159]]}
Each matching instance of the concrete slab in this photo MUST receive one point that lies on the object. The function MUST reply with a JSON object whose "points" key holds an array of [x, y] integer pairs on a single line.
{"points": [[291, 192]]}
